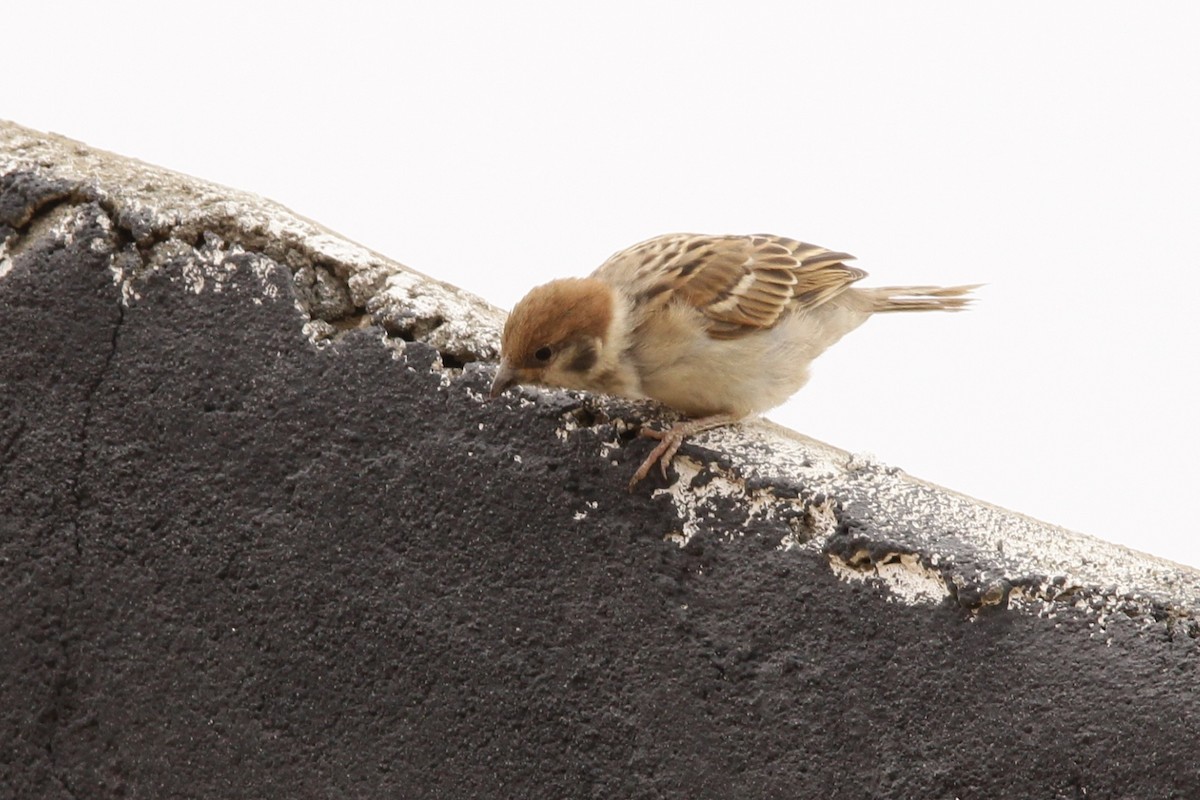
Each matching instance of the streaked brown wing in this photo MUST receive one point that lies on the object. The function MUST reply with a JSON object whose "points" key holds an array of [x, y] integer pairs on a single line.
{"points": [[741, 283]]}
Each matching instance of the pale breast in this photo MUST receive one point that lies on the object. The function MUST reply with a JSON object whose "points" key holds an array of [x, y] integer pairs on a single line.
{"points": [[700, 376]]}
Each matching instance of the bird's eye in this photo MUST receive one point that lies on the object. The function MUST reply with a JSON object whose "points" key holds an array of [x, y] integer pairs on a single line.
{"points": [[543, 354]]}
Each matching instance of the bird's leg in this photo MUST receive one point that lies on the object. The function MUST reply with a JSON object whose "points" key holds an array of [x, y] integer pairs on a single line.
{"points": [[670, 440]]}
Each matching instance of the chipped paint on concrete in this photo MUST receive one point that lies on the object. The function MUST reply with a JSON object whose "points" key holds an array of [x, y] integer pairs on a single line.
{"points": [[154, 205], [698, 488], [906, 579], [446, 318], [693, 505], [951, 528], [981, 549], [6, 263], [213, 267], [817, 525]]}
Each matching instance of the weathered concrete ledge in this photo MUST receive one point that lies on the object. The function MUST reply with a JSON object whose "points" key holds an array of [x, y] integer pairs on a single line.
{"points": [[261, 535]]}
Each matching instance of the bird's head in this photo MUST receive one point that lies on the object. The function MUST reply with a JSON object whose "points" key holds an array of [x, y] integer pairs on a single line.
{"points": [[555, 336]]}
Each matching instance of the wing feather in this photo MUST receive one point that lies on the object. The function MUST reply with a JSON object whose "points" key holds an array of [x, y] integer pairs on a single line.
{"points": [[740, 283]]}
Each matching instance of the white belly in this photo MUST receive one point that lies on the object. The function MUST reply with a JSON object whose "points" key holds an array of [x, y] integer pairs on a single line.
{"points": [[747, 375]]}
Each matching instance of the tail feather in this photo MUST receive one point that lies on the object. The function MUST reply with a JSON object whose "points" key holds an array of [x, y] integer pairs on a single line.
{"points": [[920, 298]]}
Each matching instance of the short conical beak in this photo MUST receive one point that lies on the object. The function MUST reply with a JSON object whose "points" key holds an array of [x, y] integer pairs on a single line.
{"points": [[506, 378]]}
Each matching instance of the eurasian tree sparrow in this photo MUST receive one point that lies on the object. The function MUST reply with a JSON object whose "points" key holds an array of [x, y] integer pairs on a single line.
{"points": [[717, 327]]}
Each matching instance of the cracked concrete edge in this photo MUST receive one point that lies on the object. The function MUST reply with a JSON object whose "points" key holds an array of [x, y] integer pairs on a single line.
{"points": [[340, 285], [926, 543], [875, 524], [919, 542]]}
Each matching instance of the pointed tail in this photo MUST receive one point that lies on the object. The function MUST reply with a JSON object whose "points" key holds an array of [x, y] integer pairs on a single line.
{"points": [[920, 298]]}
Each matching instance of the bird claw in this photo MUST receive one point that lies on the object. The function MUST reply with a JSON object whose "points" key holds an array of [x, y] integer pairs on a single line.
{"points": [[669, 442], [652, 433]]}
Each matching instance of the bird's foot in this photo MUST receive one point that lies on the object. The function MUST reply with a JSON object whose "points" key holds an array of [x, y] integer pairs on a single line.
{"points": [[669, 441]]}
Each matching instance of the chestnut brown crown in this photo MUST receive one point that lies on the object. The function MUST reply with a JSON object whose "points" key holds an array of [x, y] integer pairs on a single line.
{"points": [[554, 334]]}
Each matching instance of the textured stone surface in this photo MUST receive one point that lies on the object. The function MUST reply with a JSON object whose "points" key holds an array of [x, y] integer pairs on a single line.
{"points": [[260, 535]]}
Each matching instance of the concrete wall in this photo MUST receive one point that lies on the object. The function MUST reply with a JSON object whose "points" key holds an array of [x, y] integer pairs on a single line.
{"points": [[262, 536]]}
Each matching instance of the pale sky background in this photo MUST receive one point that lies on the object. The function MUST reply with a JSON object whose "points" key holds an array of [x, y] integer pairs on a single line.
{"points": [[1050, 150]]}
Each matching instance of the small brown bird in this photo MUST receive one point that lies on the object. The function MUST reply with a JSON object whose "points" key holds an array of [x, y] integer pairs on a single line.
{"points": [[717, 327]]}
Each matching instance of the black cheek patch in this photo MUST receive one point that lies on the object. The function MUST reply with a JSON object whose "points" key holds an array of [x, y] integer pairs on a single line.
{"points": [[583, 360]]}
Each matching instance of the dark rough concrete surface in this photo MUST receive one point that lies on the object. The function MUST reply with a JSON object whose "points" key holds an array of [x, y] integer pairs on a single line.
{"points": [[237, 564]]}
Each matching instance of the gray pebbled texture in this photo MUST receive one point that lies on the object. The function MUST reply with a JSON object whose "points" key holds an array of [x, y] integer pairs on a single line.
{"points": [[244, 554]]}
